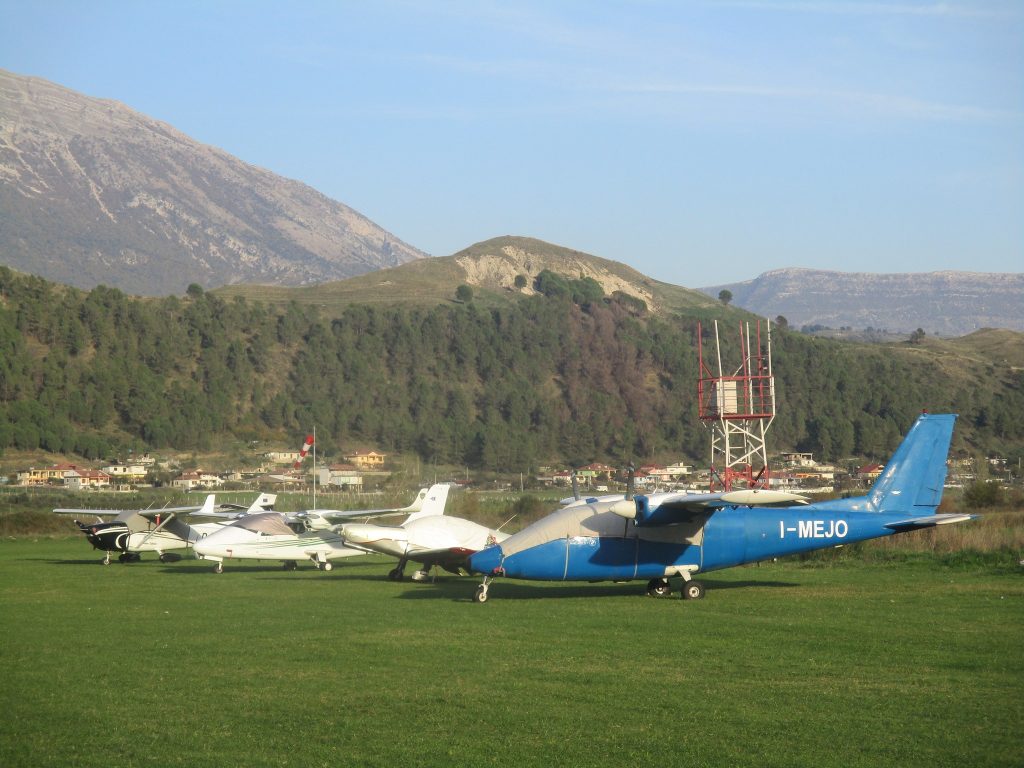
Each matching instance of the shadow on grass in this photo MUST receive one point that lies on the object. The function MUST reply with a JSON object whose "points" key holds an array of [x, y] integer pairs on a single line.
{"points": [[462, 589]]}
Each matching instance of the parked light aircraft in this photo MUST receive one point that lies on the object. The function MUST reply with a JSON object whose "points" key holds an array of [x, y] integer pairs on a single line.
{"points": [[272, 537], [664, 535], [161, 530], [428, 539]]}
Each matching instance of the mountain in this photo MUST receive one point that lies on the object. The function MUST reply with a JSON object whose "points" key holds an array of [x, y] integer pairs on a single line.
{"points": [[95, 193], [490, 268], [940, 303]]}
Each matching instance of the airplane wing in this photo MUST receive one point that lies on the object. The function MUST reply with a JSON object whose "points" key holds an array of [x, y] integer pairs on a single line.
{"points": [[151, 513], [928, 521], [666, 509], [320, 519]]}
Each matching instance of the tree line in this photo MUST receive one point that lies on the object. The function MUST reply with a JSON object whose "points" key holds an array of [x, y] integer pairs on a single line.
{"points": [[567, 376]]}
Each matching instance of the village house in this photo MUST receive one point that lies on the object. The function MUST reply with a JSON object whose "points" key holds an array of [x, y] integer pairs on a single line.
{"points": [[344, 476], [131, 473], [196, 479], [870, 472], [86, 479], [281, 457], [367, 460], [54, 474]]}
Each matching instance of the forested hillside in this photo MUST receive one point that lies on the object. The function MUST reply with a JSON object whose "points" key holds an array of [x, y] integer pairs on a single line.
{"points": [[544, 379]]}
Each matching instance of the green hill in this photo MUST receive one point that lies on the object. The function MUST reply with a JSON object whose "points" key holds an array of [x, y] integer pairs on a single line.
{"points": [[569, 368]]}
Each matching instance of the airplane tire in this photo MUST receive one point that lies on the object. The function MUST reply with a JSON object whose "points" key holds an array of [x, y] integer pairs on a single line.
{"points": [[395, 575], [291, 565], [328, 566], [480, 596], [658, 588], [693, 590], [218, 568]]}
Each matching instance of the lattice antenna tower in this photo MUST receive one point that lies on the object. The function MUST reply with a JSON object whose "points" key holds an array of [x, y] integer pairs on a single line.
{"points": [[738, 408]]}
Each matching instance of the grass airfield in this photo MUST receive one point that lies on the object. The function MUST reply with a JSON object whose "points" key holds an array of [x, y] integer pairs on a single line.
{"points": [[791, 663]]}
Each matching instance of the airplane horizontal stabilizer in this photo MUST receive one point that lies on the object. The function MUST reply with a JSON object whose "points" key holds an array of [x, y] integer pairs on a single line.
{"points": [[928, 521]]}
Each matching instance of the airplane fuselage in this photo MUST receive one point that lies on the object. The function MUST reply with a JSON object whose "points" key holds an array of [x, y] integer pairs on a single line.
{"points": [[590, 543], [230, 543]]}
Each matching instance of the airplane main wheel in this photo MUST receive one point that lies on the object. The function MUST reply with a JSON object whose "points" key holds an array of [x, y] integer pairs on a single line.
{"points": [[163, 558], [328, 565], [106, 560], [658, 588], [290, 565], [480, 596], [123, 557], [395, 575], [218, 568], [693, 590]]}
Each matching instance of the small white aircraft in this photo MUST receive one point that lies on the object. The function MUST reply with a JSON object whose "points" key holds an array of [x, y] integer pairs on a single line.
{"points": [[164, 530], [430, 539], [273, 536]]}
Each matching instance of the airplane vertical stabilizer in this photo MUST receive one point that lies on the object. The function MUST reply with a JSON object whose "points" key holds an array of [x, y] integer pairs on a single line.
{"points": [[433, 503], [915, 474]]}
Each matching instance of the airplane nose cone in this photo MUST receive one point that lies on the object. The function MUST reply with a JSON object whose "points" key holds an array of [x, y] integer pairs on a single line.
{"points": [[486, 560]]}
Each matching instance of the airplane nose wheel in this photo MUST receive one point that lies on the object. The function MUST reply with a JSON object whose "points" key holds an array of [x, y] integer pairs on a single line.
{"points": [[218, 568], [480, 596]]}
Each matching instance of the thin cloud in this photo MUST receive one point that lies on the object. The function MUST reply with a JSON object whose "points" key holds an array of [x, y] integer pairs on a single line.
{"points": [[885, 105], [949, 10]]}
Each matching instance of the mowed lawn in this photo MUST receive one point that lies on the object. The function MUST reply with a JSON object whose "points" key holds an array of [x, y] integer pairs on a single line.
{"points": [[789, 663]]}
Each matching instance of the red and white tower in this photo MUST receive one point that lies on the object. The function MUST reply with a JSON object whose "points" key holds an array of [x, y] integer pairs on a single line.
{"points": [[738, 407]]}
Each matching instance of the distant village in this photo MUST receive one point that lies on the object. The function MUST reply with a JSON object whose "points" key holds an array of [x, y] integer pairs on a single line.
{"points": [[284, 470]]}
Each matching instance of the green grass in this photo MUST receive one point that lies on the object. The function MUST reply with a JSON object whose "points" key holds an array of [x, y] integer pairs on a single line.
{"points": [[903, 663]]}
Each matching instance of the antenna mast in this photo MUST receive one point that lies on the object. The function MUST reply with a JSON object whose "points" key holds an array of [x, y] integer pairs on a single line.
{"points": [[738, 408]]}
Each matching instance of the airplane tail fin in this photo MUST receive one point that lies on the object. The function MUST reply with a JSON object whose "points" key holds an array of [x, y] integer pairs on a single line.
{"points": [[433, 502], [263, 503], [914, 476]]}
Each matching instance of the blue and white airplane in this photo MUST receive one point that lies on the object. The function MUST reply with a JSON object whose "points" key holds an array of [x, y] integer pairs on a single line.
{"points": [[669, 534]]}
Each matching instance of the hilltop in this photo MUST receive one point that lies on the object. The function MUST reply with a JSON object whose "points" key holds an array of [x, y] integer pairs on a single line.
{"points": [[490, 268]]}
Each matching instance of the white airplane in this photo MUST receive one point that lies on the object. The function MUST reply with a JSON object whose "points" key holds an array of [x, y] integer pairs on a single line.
{"points": [[430, 539], [164, 530], [273, 536]]}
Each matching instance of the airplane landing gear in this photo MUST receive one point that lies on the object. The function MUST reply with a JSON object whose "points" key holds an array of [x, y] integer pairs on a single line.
{"points": [[106, 559], [421, 575], [328, 565], [218, 568], [290, 565], [397, 573], [693, 590], [480, 596], [658, 588]]}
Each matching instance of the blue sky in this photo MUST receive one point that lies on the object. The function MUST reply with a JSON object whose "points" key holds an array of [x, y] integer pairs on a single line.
{"points": [[699, 142]]}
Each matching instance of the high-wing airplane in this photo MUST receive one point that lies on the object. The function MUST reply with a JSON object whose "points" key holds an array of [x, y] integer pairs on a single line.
{"points": [[274, 536], [430, 539], [162, 530], [663, 535]]}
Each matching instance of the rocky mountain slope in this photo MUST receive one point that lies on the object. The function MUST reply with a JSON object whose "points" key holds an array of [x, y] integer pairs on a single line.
{"points": [[940, 303], [92, 192]]}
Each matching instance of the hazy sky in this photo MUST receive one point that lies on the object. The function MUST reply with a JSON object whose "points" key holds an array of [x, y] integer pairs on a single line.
{"points": [[699, 142]]}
